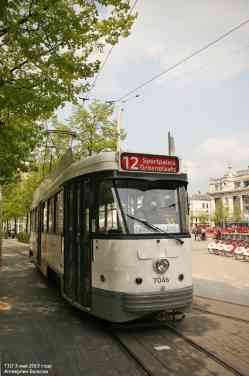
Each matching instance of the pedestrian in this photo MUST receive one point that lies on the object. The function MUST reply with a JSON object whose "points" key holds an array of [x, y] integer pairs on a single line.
{"points": [[194, 231], [203, 234], [198, 233], [218, 234]]}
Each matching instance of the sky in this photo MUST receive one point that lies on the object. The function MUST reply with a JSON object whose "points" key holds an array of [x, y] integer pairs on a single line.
{"points": [[204, 102]]}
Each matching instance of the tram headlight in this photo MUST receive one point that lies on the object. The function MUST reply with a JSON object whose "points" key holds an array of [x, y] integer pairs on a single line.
{"points": [[161, 266], [181, 277], [138, 280]]}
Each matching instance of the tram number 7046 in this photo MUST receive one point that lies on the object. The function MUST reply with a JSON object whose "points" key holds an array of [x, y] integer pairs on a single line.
{"points": [[161, 280]]}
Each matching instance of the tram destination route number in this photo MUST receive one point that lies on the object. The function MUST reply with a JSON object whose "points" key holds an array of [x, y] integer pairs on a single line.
{"points": [[149, 163]]}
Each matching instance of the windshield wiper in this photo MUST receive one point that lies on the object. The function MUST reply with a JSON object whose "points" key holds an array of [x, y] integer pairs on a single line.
{"points": [[153, 227]]}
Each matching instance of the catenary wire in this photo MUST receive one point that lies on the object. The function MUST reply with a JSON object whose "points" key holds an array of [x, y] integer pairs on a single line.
{"points": [[107, 56], [183, 60]]}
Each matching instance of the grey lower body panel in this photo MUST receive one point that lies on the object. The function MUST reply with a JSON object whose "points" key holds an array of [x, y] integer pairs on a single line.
{"points": [[121, 307], [167, 301]]}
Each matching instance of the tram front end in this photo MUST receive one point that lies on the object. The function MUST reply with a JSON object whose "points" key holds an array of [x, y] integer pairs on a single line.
{"points": [[142, 245]]}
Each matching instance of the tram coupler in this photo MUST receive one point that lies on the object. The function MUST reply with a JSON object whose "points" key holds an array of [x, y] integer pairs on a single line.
{"points": [[174, 316]]}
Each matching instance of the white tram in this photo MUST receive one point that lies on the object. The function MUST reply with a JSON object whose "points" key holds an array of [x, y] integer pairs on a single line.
{"points": [[114, 228]]}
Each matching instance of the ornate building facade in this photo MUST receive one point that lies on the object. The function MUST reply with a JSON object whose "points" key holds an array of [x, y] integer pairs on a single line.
{"points": [[200, 209], [232, 191]]}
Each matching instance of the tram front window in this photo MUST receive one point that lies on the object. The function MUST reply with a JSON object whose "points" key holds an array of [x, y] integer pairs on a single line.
{"points": [[109, 219], [151, 207]]}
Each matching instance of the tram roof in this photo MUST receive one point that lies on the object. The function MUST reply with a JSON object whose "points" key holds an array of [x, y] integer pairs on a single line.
{"points": [[101, 162], [68, 170]]}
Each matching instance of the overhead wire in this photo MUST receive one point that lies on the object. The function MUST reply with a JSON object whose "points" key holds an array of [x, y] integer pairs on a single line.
{"points": [[183, 60], [107, 56]]}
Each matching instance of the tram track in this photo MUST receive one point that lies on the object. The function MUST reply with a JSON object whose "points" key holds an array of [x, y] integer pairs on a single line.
{"points": [[221, 301], [210, 354], [221, 308], [198, 309], [195, 355]]}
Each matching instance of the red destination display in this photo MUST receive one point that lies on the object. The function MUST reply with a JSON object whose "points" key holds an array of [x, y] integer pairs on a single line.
{"points": [[148, 162]]}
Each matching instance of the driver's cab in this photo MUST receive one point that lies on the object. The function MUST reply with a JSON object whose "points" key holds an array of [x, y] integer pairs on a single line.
{"points": [[154, 204], [131, 206]]}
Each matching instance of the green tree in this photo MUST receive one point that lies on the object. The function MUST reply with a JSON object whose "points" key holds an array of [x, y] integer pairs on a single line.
{"points": [[221, 214], [17, 196], [16, 143], [96, 129], [88, 131], [47, 46], [48, 52], [237, 214], [62, 137], [203, 218]]}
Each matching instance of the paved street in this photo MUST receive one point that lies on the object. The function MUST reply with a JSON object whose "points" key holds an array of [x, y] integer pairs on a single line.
{"points": [[40, 333], [218, 276], [38, 328]]}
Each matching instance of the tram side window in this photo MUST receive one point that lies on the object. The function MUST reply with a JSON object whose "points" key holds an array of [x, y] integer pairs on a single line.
{"points": [[50, 215], [45, 217], [31, 216], [34, 220], [54, 214], [31, 220], [108, 219], [35, 226], [184, 209], [59, 213]]}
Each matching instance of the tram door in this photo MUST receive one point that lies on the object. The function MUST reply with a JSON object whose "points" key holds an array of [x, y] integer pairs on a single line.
{"points": [[39, 232], [77, 252]]}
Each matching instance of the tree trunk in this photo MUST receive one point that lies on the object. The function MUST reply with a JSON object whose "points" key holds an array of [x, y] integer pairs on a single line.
{"points": [[27, 223], [15, 231], [1, 231]]}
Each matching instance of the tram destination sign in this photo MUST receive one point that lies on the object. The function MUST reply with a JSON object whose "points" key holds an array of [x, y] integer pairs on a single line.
{"points": [[149, 162]]}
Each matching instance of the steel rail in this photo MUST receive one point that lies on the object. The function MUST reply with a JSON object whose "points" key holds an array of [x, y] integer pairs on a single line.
{"points": [[166, 326], [220, 314], [210, 354]]}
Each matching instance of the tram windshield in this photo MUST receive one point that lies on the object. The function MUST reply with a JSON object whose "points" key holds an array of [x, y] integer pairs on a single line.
{"points": [[142, 206]]}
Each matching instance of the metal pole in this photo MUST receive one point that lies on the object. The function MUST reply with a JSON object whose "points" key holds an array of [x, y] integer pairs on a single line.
{"points": [[119, 127], [169, 143]]}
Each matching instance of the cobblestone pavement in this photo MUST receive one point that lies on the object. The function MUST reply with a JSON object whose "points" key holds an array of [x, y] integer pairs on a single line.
{"points": [[226, 338], [219, 277], [40, 332]]}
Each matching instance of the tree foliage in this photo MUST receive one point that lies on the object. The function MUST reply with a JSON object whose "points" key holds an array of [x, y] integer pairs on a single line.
{"points": [[47, 46], [237, 213], [96, 131], [88, 131], [95, 128], [203, 217], [48, 53], [17, 196], [221, 214], [16, 143]]}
